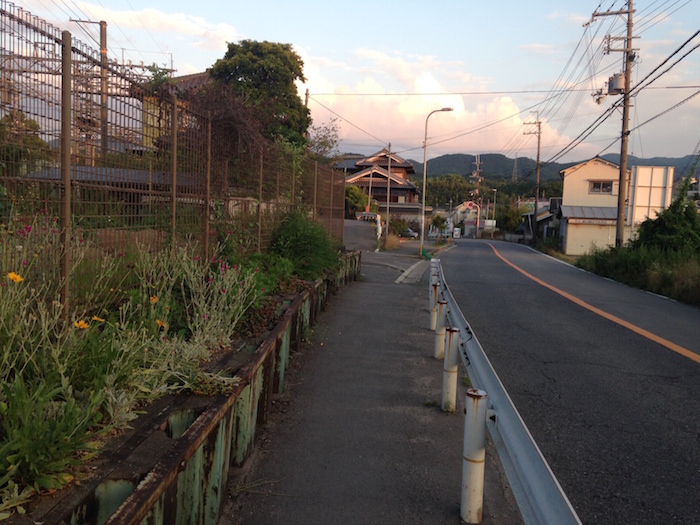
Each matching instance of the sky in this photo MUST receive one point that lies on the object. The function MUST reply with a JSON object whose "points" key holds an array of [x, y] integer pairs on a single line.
{"points": [[380, 68]]}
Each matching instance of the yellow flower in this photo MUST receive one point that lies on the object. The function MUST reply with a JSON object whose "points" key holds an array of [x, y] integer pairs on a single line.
{"points": [[162, 324], [81, 324], [15, 277], [154, 299], [98, 319]]}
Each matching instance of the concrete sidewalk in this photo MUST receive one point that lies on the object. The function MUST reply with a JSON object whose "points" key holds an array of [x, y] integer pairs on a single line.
{"points": [[358, 436]]}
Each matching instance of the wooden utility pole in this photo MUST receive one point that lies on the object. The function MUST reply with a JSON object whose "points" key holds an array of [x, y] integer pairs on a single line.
{"points": [[624, 175], [103, 91], [629, 58]]}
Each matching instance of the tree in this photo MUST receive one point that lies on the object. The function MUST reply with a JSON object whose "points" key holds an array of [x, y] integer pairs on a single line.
{"points": [[323, 140], [440, 223], [265, 74], [355, 199], [21, 147]]}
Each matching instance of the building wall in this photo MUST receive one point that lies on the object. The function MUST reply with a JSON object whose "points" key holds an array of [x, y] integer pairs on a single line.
{"points": [[577, 184], [581, 238]]}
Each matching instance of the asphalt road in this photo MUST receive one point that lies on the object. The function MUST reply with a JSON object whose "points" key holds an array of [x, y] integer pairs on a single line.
{"points": [[616, 414]]}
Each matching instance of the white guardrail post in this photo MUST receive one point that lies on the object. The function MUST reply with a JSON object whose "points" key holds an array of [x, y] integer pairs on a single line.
{"points": [[450, 369], [540, 498], [474, 456], [439, 351], [434, 292]]}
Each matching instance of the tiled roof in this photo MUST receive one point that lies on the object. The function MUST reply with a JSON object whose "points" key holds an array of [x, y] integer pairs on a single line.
{"points": [[589, 212]]}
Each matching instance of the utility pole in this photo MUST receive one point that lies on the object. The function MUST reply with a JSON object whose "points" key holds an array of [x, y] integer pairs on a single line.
{"points": [[613, 89], [103, 84], [388, 190], [537, 123], [103, 90]]}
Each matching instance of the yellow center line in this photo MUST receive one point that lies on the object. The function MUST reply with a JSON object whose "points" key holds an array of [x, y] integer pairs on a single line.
{"points": [[634, 328]]}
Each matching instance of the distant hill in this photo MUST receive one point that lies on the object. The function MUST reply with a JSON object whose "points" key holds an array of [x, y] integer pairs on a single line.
{"points": [[495, 165]]}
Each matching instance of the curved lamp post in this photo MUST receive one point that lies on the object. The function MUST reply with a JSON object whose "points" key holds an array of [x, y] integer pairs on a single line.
{"points": [[425, 172]]}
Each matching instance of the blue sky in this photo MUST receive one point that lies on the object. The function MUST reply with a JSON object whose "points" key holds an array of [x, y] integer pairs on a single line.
{"points": [[379, 68]]}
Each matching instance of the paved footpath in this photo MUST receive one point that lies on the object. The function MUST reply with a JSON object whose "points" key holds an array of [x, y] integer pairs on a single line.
{"points": [[358, 436]]}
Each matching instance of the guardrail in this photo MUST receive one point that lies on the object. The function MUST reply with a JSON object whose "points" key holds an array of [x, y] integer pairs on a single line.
{"points": [[540, 498]]}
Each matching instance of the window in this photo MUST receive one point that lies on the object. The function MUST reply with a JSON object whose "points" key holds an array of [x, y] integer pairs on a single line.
{"points": [[601, 186]]}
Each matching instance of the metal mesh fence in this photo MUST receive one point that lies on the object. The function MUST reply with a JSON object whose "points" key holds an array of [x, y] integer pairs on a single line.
{"points": [[89, 156]]}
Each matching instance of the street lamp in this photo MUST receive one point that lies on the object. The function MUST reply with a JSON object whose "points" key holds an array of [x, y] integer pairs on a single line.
{"points": [[425, 173]]}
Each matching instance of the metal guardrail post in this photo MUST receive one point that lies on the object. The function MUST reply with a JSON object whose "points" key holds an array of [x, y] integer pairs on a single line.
{"points": [[434, 304], [439, 351], [449, 370], [474, 456], [433, 291]]}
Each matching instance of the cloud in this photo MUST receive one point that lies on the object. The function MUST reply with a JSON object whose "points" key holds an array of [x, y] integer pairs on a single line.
{"points": [[392, 98], [539, 49]]}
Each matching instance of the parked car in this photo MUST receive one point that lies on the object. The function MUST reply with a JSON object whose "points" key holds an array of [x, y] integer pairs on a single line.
{"points": [[408, 232]]}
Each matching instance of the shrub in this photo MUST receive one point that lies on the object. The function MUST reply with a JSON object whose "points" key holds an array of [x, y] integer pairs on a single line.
{"points": [[391, 242], [306, 245]]}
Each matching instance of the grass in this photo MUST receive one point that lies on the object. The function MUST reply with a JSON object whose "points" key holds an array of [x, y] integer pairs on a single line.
{"points": [[674, 274], [141, 325]]}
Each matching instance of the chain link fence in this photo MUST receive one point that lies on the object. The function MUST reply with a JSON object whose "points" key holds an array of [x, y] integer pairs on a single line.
{"points": [[90, 157]]}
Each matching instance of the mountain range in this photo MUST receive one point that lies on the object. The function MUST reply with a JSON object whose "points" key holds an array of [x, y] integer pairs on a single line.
{"points": [[495, 165]]}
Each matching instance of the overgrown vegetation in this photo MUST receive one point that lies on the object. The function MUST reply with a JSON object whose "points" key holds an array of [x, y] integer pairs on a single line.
{"points": [[665, 256], [131, 338], [306, 245]]}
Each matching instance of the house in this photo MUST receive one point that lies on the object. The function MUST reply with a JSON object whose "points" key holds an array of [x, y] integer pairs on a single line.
{"points": [[589, 202], [371, 174]]}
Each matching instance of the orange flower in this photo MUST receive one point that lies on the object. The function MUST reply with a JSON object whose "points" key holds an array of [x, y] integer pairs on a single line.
{"points": [[15, 277], [162, 324], [154, 299], [98, 319], [81, 324]]}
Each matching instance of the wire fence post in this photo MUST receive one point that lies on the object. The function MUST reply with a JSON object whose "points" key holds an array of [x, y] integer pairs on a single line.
{"points": [[66, 126], [330, 211], [207, 198], [173, 147], [315, 214], [260, 200]]}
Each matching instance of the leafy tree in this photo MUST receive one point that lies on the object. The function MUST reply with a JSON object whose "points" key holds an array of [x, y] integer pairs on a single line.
{"points": [[510, 216], [354, 197], [323, 140], [265, 74], [439, 222], [161, 80], [21, 147]]}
